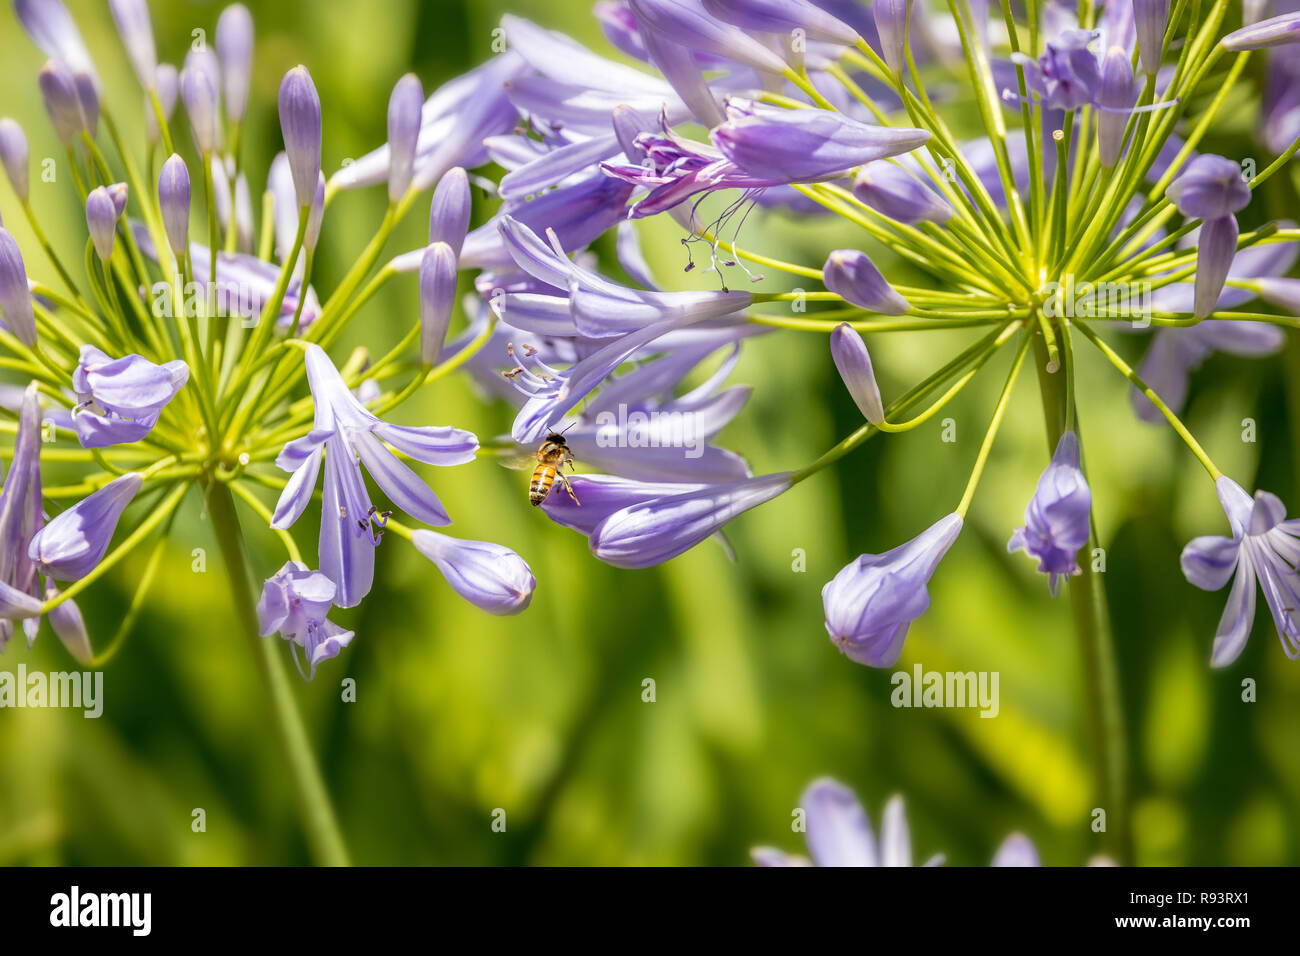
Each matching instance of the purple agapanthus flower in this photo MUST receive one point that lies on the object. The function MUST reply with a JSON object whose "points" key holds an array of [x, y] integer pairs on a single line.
{"points": [[489, 576], [1264, 547], [651, 532], [346, 435], [872, 602], [1067, 74], [839, 833], [623, 320], [1058, 517], [603, 495], [119, 400], [756, 148], [295, 602]]}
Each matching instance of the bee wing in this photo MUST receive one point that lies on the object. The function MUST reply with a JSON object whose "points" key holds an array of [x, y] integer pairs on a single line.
{"points": [[517, 462]]}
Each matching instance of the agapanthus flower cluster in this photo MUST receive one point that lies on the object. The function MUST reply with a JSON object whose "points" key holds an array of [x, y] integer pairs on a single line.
{"points": [[188, 349], [1089, 179]]}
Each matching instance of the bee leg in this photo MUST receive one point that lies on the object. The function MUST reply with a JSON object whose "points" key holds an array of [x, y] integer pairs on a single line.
{"points": [[568, 487]]}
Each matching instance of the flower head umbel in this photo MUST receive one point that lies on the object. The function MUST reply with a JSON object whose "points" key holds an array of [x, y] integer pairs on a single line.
{"points": [[1264, 548], [1057, 519]]}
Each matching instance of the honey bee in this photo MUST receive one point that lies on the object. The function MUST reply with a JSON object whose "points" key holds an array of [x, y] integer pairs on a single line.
{"points": [[552, 456]]}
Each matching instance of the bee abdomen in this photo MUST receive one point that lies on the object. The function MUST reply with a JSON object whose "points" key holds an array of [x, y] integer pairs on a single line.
{"points": [[543, 478]]}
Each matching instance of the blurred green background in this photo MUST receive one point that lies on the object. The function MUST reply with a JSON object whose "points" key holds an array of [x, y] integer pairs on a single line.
{"points": [[459, 713]]}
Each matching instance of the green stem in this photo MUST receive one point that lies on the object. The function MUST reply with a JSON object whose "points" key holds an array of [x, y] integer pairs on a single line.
{"points": [[1105, 712], [323, 835]]}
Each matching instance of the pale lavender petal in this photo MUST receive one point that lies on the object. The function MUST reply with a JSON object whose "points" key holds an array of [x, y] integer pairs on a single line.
{"points": [[839, 833]]}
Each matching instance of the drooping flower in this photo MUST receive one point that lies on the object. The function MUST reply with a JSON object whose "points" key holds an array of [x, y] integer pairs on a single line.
{"points": [[347, 435], [489, 576], [652, 532], [1058, 516], [1174, 353], [75, 541], [295, 602], [119, 400], [872, 602], [628, 320], [839, 834], [1264, 547]]}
